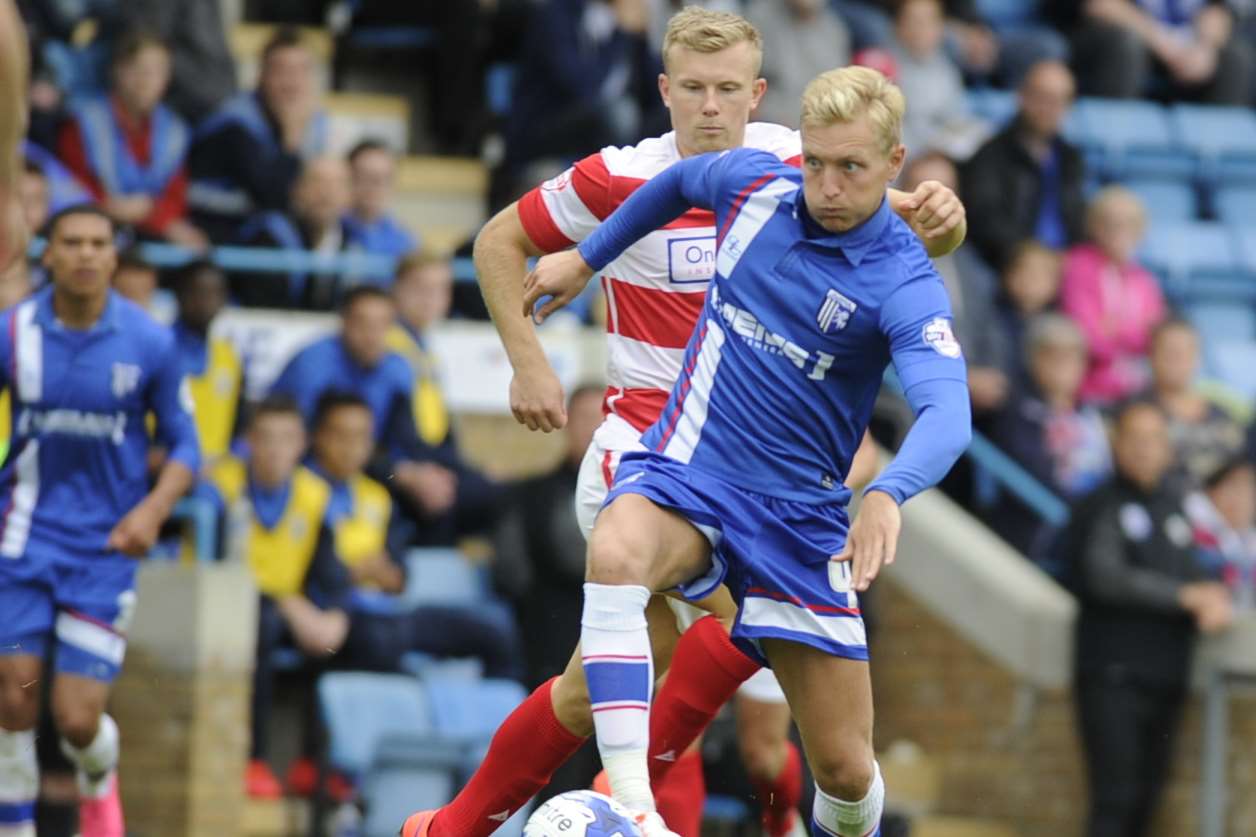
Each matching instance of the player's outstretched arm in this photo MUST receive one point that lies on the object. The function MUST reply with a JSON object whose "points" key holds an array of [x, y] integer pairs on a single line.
{"points": [[935, 213], [14, 73], [562, 276], [502, 249]]}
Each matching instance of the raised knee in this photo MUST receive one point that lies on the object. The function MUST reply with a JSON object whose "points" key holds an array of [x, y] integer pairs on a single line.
{"points": [[846, 773], [611, 561], [571, 705], [77, 724]]}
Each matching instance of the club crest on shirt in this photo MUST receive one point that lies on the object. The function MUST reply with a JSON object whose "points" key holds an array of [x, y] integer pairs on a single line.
{"points": [[125, 378], [557, 184], [938, 336], [834, 313]]}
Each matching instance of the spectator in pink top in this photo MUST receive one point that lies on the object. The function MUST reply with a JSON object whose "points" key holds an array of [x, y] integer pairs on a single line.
{"points": [[1116, 302]]}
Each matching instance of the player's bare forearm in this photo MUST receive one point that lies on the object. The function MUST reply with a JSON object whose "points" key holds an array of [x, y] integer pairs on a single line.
{"points": [[174, 480], [501, 256], [14, 75], [319, 633]]}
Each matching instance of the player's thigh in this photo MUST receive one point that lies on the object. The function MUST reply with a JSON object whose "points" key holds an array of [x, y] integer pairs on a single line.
{"points": [[831, 701], [20, 677], [27, 615], [636, 541]]}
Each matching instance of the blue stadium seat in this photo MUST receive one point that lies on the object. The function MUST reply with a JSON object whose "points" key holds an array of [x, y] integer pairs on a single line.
{"points": [[1244, 238], [995, 106], [1223, 321], [1195, 257], [1235, 206], [1166, 201], [363, 710], [469, 712], [441, 576], [394, 792], [1135, 138], [1224, 139], [1232, 362], [1008, 13]]}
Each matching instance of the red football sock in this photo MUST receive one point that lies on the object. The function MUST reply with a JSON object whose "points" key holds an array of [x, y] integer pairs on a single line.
{"points": [[705, 672], [779, 797], [528, 747], [680, 799]]}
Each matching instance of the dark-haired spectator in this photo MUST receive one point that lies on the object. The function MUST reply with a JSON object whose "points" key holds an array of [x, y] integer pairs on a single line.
{"points": [[588, 77], [1116, 302], [1224, 517], [1144, 597], [1029, 285], [1046, 429], [129, 149], [1188, 48], [136, 279], [801, 39], [203, 69], [320, 198], [1026, 181], [1203, 434], [246, 157], [369, 222], [938, 117], [32, 192], [212, 366]]}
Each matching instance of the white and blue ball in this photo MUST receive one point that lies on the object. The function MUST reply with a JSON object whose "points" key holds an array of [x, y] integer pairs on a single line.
{"points": [[581, 813]]}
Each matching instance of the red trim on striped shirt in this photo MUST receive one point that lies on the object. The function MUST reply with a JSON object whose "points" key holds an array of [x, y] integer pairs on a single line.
{"points": [[654, 316], [592, 181], [622, 187], [794, 600], [639, 406], [737, 205], [608, 476], [539, 225], [635, 658], [795, 161], [684, 391]]}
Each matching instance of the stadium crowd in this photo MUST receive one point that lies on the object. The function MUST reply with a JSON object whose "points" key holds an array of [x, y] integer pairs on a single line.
{"points": [[1091, 369]]}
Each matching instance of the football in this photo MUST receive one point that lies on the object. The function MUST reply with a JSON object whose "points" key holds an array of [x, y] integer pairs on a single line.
{"points": [[581, 813]]}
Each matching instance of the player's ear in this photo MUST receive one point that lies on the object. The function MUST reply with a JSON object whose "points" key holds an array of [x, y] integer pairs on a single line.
{"points": [[898, 155], [665, 89], [757, 90]]}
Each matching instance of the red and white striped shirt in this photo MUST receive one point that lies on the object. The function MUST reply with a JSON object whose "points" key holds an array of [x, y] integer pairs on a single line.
{"points": [[655, 290]]}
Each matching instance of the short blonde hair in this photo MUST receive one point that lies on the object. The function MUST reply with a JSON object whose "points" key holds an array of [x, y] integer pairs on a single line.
{"points": [[703, 30], [1114, 197], [845, 94]]}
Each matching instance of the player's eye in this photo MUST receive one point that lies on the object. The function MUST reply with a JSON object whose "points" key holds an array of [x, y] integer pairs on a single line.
{"points": [[850, 166]]}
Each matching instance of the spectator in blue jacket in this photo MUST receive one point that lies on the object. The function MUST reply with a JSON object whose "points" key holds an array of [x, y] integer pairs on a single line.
{"points": [[246, 157], [370, 223]]}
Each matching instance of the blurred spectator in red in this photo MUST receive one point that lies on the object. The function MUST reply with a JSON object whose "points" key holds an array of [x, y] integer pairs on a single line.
{"points": [[938, 117], [995, 351], [1026, 181], [320, 199], [1203, 434], [1131, 48], [801, 39], [1115, 301], [1224, 518], [246, 157], [1144, 597], [369, 222], [1044, 427], [129, 149]]}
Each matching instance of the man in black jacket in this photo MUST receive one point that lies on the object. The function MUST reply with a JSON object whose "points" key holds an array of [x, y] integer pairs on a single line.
{"points": [[1143, 600], [1026, 181]]}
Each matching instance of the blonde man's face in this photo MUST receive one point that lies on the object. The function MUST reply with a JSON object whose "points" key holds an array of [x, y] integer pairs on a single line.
{"points": [[710, 96], [845, 172]]}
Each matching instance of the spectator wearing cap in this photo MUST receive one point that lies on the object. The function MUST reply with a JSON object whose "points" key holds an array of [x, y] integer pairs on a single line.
{"points": [[1115, 300], [129, 149], [370, 223]]}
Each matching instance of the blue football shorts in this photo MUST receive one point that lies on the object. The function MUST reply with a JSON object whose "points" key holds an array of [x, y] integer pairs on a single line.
{"points": [[82, 603], [773, 554]]}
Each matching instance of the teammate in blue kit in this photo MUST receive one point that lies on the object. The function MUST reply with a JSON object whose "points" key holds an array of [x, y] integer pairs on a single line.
{"points": [[84, 367], [818, 286]]}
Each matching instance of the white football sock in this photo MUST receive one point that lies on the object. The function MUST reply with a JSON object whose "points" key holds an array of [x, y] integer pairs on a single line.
{"points": [[19, 783], [97, 760], [851, 819]]}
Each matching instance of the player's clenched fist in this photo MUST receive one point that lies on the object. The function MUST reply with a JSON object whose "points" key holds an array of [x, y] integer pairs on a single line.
{"points": [[936, 210], [558, 275], [872, 540], [136, 534], [537, 400]]}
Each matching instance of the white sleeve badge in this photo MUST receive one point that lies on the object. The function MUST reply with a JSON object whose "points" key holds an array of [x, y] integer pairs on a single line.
{"points": [[937, 335]]}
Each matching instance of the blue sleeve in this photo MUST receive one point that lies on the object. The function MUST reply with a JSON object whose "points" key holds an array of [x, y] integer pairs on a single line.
{"points": [[665, 197], [171, 402], [6, 348], [296, 382], [916, 320]]}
